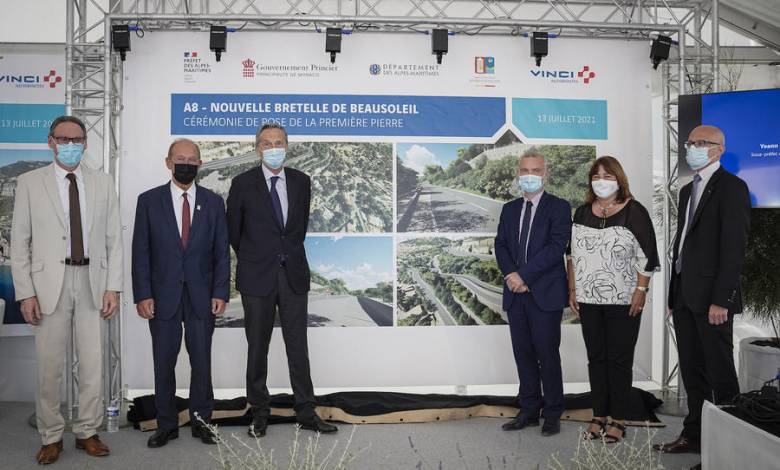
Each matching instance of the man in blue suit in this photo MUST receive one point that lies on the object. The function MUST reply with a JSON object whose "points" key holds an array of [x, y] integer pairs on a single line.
{"points": [[532, 236], [181, 274]]}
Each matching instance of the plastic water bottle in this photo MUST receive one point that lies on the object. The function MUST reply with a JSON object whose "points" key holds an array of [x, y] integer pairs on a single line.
{"points": [[112, 418]]}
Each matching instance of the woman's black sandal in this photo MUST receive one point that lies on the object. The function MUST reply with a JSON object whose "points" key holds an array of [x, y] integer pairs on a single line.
{"points": [[610, 439], [590, 436]]}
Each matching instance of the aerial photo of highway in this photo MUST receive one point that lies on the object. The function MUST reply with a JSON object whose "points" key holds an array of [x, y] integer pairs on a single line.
{"points": [[452, 280]]}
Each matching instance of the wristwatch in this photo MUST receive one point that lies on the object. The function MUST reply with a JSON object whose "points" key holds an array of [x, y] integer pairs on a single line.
{"points": [[643, 289]]}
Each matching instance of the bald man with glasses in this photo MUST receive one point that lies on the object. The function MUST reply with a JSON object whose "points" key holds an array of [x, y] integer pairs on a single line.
{"points": [[704, 294]]}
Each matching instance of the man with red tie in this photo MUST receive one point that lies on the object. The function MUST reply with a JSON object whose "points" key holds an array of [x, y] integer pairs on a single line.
{"points": [[181, 275]]}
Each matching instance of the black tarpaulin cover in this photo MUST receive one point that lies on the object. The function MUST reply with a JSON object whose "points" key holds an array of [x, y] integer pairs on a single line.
{"points": [[389, 407]]}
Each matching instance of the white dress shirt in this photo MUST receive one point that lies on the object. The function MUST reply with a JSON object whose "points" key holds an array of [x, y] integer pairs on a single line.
{"points": [[281, 188], [534, 204], [705, 175], [63, 186], [178, 200]]}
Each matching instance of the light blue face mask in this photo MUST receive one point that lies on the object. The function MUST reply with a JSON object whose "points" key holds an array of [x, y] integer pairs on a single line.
{"points": [[274, 157], [697, 157], [70, 154], [529, 183]]}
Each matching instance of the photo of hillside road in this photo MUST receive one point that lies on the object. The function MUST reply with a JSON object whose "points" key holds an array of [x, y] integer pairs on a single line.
{"points": [[444, 188], [352, 183], [351, 283], [451, 280]]}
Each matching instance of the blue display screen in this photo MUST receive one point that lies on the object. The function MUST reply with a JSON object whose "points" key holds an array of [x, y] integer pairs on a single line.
{"points": [[751, 124]]}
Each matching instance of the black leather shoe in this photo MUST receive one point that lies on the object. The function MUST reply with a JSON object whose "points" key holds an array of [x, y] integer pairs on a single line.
{"points": [[258, 427], [317, 425], [682, 445], [161, 437], [519, 422], [551, 427], [202, 432]]}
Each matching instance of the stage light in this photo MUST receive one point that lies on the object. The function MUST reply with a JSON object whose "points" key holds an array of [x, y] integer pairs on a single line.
{"points": [[659, 51], [439, 43], [333, 42], [120, 39], [218, 41], [539, 46]]}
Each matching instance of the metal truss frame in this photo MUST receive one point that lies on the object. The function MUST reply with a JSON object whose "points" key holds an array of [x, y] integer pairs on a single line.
{"points": [[94, 72]]}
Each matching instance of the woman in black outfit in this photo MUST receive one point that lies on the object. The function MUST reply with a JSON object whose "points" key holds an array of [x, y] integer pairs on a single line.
{"points": [[611, 258]]}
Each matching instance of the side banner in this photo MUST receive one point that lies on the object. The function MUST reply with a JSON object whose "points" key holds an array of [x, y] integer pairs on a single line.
{"points": [[32, 94]]}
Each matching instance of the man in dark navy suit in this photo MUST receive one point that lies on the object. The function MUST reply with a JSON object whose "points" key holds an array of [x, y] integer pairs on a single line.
{"points": [[532, 236], [181, 274], [268, 215]]}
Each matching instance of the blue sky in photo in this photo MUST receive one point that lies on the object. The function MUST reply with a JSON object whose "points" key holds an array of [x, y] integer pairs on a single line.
{"points": [[9, 156], [360, 261], [419, 155]]}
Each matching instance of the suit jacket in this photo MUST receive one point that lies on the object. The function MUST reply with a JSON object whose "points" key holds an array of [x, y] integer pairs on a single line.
{"points": [[714, 248], [258, 240], [161, 266], [545, 271], [39, 237]]}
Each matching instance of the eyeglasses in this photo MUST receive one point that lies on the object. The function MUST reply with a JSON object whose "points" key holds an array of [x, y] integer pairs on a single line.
{"points": [[267, 144], [699, 143], [69, 140]]}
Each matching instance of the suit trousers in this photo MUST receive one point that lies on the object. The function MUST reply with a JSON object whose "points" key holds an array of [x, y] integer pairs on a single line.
{"points": [[536, 339], [259, 313], [166, 344], [706, 355], [75, 313], [610, 336]]}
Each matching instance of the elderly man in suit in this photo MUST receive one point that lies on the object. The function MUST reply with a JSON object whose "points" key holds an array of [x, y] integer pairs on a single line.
{"points": [[66, 261], [533, 232], [268, 215], [181, 275], [713, 221]]}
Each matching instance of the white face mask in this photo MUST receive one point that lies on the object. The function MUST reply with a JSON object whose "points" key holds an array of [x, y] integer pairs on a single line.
{"points": [[604, 188]]}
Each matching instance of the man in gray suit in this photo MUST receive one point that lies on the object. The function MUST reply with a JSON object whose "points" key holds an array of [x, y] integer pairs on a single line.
{"points": [[66, 261]]}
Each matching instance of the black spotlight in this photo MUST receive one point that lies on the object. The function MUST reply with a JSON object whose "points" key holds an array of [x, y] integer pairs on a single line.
{"points": [[333, 42], [539, 46], [120, 39], [439, 45], [659, 51], [218, 41]]}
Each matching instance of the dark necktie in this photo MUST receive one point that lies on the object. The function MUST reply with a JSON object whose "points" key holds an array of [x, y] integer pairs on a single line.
{"points": [[185, 221], [76, 235], [276, 202], [692, 202], [525, 228]]}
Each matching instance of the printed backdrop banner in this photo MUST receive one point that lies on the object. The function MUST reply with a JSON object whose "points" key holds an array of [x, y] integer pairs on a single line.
{"points": [[32, 94], [410, 163]]}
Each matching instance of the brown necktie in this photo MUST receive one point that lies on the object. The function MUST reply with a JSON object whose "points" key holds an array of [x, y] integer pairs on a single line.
{"points": [[185, 221], [76, 236]]}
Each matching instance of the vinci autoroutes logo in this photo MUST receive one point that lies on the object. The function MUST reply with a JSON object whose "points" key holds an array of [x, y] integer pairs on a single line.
{"points": [[31, 81], [584, 75]]}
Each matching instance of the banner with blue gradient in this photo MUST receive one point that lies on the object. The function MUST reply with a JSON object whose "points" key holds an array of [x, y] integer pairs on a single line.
{"points": [[349, 115], [546, 118]]}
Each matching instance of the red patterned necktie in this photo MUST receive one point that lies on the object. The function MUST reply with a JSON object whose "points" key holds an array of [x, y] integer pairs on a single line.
{"points": [[185, 221]]}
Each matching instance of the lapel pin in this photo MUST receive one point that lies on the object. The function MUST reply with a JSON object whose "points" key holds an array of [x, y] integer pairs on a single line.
{"points": [[197, 207]]}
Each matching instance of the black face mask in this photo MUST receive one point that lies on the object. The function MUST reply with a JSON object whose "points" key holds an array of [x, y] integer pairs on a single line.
{"points": [[184, 173]]}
